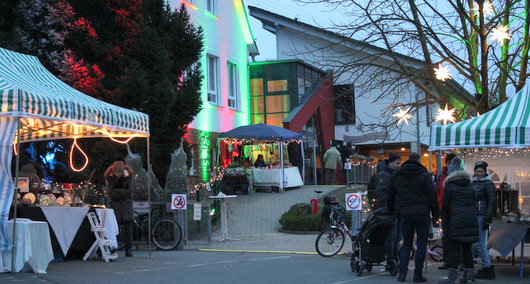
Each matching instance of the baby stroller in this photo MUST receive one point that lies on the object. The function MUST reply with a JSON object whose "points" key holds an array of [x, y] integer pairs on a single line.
{"points": [[369, 243]]}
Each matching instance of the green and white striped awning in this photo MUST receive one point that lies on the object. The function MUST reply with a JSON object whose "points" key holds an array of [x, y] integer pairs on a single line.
{"points": [[506, 126], [53, 110]]}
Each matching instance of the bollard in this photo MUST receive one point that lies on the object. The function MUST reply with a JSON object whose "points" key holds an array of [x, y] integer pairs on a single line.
{"points": [[315, 208]]}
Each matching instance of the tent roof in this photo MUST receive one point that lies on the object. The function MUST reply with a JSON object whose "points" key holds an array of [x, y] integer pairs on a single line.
{"points": [[507, 126], [261, 132], [53, 110]]}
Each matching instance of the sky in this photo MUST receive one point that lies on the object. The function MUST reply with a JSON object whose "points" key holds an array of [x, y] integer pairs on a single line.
{"points": [[314, 14]]}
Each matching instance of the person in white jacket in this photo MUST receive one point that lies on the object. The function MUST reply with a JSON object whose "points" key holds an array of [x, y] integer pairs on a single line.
{"points": [[331, 159]]}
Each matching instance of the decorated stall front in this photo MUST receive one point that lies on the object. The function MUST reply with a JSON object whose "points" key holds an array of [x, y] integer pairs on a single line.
{"points": [[271, 142], [38, 106], [500, 137]]}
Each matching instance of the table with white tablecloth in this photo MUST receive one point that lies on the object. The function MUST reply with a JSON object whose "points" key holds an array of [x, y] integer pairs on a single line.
{"points": [[70, 229], [32, 246], [272, 177]]}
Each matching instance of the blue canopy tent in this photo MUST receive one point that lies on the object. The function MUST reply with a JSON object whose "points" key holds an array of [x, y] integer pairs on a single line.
{"points": [[268, 134]]}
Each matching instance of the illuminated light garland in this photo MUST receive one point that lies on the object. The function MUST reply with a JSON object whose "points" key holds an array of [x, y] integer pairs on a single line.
{"points": [[15, 141], [257, 142], [403, 115], [445, 115], [442, 72], [116, 140], [500, 33], [212, 181], [72, 155]]}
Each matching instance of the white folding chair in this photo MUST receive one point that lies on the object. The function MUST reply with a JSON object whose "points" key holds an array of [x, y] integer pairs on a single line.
{"points": [[101, 242]]}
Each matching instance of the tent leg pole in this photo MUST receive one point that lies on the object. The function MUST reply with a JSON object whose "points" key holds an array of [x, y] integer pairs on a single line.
{"points": [[17, 164], [149, 170]]}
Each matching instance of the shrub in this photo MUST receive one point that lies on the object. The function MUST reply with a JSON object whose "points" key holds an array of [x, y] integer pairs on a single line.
{"points": [[292, 220]]}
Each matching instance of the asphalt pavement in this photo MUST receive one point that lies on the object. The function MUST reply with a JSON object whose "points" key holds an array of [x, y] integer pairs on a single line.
{"points": [[261, 255]]}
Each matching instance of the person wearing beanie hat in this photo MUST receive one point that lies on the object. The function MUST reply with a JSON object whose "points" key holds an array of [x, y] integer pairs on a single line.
{"points": [[382, 180], [485, 208], [120, 190], [412, 195], [439, 196], [458, 208], [392, 157]]}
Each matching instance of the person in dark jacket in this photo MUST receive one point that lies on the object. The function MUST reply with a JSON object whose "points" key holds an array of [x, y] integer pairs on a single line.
{"points": [[412, 193], [385, 168], [260, 163], [485, 206], [439, 196], [458, 208], [120, 190]]}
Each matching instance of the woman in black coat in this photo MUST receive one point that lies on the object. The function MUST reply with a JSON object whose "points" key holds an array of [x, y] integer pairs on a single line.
{"points": [[120, 190], [458, 207]]}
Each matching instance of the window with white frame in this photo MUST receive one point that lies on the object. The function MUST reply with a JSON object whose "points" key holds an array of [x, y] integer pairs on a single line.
{"points": [[212, 71], [233, 86], [210, 6]]}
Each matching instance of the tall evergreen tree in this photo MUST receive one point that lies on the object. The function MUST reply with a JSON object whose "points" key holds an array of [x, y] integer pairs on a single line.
{"points": [[130, 53]]}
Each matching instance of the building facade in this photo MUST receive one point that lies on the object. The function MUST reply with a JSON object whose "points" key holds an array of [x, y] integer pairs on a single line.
{"points": [[356, 103], [228, 45]]}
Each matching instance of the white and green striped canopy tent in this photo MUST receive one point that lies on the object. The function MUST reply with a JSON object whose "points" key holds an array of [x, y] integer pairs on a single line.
{"points": [[506, 126], [39, 106]]}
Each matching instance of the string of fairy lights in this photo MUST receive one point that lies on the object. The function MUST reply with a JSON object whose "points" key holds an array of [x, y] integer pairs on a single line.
{"points": [[256, 142]]}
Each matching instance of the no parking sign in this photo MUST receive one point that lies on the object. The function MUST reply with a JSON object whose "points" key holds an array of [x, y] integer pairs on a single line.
{"points": [[354, 201]]}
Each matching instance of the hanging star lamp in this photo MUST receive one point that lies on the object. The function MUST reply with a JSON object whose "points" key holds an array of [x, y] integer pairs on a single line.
{"points": [[500, 33], [445, 115], [403, 116], [487, 9], [442, 72]]}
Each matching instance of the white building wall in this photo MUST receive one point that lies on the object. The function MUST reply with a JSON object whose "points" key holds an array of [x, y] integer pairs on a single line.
{"points": [[223, 38], [369, 105]]}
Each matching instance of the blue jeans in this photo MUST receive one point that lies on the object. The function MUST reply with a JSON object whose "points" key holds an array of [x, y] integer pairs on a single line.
{"points": [[420, 225], [481, 244]]}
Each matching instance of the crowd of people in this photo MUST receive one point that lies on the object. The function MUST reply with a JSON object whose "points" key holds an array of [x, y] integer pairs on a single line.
{"points": [[465, 203]]}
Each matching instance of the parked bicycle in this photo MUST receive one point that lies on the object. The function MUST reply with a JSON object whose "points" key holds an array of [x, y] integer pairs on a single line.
{"points": [[166, 234], [331, 240]]}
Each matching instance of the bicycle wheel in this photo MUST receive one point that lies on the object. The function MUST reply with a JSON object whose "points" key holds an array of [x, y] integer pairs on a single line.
{"points": [[438, 253], [329, 242], [166, 234]]}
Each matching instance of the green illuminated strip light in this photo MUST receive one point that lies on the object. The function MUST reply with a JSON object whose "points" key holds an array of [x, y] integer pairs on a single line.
{"points": [[211, 15]]}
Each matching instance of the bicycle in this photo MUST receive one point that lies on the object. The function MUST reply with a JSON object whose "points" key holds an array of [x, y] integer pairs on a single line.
{"points": [[435, 252], [331, 240], [166, 234]]}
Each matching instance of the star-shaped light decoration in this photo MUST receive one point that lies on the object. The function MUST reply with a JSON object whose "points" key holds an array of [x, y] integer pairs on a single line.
{"points": [[500, 33], [445, 115], [487, 9], [442, 72], [403, 116]]}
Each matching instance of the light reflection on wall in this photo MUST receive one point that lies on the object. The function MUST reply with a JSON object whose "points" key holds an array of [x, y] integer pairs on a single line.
{"points": [[204, 155]]}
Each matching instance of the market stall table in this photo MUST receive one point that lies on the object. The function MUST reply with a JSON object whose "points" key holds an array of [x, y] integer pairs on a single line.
{"points": [[69, 228], [33, 245], [272, 177], [504, 237], [224, 215]]}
